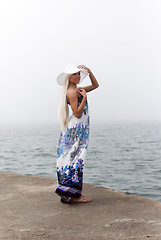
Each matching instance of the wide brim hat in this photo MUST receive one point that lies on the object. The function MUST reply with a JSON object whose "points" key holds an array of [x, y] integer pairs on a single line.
{"points": [[71, 69]]}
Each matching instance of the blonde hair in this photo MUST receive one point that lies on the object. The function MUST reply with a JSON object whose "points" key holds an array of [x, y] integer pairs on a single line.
{"points": [[63, 112]]}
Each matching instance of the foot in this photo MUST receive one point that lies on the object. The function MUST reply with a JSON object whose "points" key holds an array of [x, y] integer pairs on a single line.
{"points": [[82, 199]]}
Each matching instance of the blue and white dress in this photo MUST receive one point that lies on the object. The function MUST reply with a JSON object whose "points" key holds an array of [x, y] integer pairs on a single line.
{"points": [[71, 154]]}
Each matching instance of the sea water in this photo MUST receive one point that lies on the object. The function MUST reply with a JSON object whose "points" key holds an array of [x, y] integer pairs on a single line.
{"points": [[120, 156]]}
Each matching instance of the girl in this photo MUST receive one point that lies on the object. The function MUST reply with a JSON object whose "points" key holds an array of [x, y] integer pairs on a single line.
{"points": [[73, 142]]}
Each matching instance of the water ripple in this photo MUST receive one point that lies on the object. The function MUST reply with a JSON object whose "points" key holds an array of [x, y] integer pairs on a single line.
{"points": [[123, 157]]}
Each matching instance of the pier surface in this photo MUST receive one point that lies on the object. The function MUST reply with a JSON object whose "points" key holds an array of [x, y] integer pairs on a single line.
{"points": [[30, 210]]}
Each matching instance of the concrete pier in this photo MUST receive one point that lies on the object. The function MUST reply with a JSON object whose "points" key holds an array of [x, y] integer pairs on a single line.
{"points": [[30, 210]]}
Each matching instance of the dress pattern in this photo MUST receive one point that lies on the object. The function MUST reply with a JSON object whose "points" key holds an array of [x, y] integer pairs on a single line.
{"points": [[71, 154]]}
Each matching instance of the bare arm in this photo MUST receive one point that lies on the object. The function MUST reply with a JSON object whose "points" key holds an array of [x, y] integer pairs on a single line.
{"points": [[94, 82], [73, 100]]}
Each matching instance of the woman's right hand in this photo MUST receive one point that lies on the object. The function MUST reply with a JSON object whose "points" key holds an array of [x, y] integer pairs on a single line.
{"points": [[82, 92]]}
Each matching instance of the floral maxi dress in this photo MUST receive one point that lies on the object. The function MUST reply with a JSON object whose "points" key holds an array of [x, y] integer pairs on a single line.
{"points": [[71, 154]]}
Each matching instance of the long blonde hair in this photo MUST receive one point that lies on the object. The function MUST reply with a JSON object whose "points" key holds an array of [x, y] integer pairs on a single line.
{"points": [[63, 112]]}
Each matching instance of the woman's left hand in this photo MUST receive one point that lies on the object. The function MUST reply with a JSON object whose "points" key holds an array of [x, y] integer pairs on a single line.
{"points": [[84, 67], [82, 92]]}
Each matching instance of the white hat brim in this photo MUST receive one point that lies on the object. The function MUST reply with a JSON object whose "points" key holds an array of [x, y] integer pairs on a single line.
{"points": [[62, 76]]}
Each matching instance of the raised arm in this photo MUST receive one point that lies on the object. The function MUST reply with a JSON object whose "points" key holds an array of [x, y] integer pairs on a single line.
{"points": [[94, 82]]}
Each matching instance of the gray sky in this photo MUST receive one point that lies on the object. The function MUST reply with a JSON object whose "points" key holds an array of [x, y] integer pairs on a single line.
{"points": [[119, 40]]}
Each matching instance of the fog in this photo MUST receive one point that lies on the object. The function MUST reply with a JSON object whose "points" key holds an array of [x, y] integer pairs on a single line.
{"points": [[118, 40]]}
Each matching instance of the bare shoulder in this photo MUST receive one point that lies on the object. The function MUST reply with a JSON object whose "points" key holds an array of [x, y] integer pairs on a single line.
{"points": [[71, 94]]}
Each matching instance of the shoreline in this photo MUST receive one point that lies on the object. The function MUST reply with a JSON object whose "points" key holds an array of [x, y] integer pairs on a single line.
{"points": [[101, 186]]}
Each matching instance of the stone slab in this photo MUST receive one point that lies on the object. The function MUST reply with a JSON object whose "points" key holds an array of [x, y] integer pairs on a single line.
{"points": [[30, 210]]}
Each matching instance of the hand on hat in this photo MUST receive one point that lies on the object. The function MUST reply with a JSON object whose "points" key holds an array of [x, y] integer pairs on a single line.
{"points": [[84, 67]]}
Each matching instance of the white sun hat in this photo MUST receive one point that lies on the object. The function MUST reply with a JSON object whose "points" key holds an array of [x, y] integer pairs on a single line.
{"points": [[71, 69]]}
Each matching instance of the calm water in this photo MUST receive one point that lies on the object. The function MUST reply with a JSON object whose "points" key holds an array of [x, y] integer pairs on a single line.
{"points": [[125, 157]]}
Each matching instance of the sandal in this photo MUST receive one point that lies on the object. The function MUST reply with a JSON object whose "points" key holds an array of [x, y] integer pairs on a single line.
{"points": [[82, 199]]}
